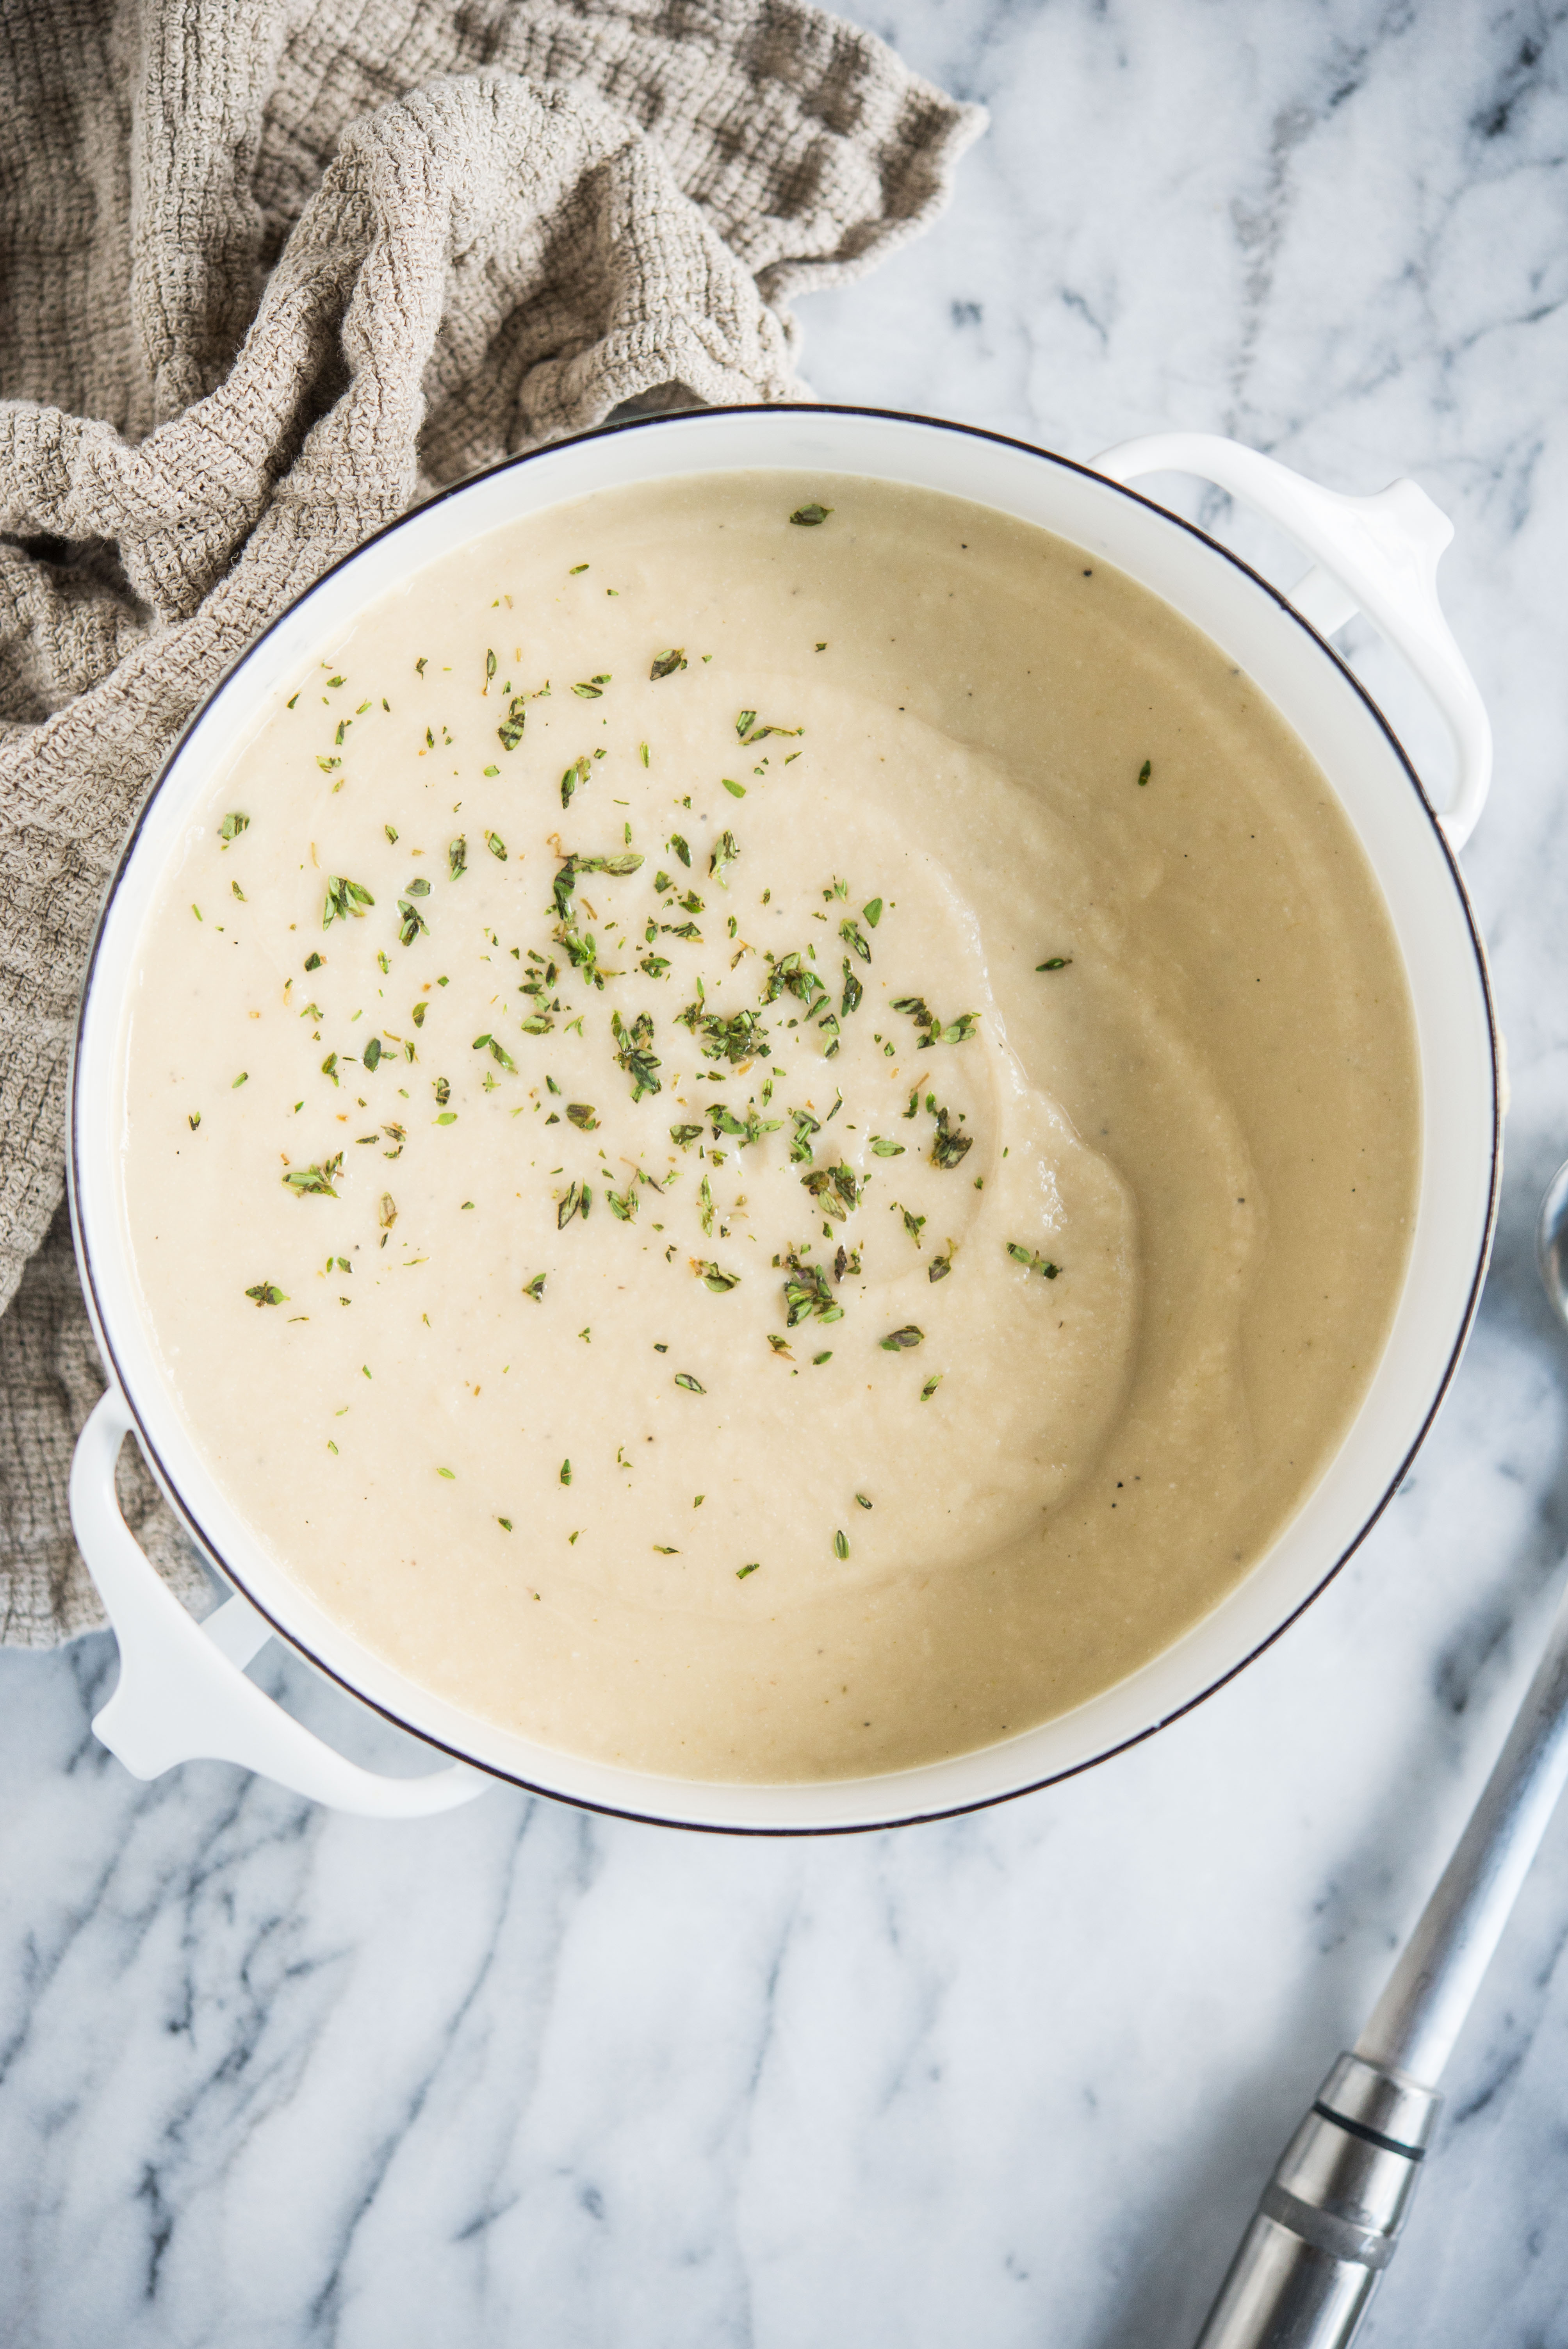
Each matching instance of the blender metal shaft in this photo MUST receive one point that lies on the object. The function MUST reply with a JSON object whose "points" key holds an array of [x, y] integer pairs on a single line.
{"points": [[1328, 2220]]}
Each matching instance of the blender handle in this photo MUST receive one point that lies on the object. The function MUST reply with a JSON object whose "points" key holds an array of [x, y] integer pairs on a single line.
{"points": [[1377, 556], [183, 1694]]}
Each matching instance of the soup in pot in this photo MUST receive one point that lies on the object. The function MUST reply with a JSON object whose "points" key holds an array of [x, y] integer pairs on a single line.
{"points": [[770, 1126]]}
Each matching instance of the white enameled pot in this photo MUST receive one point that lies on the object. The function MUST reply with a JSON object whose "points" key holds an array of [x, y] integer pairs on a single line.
{"points": [[183, 1692]]}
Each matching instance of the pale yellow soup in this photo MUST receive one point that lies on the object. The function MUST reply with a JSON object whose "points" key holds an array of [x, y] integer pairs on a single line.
{"points": [[764, 1146]]}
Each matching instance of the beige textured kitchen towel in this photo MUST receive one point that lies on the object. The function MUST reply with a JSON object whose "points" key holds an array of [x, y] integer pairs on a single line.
{"points": [[271, 271]]}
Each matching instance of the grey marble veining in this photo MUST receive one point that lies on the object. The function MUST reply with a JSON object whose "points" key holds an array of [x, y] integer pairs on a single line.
{"points": [[269, 2077]]}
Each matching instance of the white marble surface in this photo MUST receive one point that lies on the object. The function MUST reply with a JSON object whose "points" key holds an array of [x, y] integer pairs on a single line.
{"points": [[270, 2078]]}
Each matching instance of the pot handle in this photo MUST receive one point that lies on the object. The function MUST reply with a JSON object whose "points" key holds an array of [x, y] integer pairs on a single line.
{"points": [[183, 1694], [1377, 555]]}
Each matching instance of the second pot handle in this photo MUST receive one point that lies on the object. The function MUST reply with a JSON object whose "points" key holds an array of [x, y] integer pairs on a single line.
{"points": [[1377, 556], [183, 1694]]}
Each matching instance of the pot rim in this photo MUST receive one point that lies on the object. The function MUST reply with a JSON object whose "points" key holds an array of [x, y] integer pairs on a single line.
{"points": [[688, 419]]}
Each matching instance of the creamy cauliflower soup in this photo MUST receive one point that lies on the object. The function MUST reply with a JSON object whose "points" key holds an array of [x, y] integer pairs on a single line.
{"points": [[770, 1126]]}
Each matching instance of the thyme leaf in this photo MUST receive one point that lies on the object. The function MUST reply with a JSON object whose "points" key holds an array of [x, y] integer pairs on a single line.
{"points": [[634, 1055], [949, 1148], [344, 898], [303, 1179], [1032, 1261]]}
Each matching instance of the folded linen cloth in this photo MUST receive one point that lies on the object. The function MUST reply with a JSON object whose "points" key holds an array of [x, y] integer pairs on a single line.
{"points": [[269, 271]]}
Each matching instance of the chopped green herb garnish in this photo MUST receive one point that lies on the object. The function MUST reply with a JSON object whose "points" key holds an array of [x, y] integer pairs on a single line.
{"points": [[741, 1037], [1145, 772], [883, 1148], [807, 1295], [742, 1571], [725, 854], [863, 1501], [241, 1079], [194, 1120], [535, 1287], [808, 517], [584, 1116], [692, 1386], [303, 1179], [633, 1053], [566, 1472], [344, 897], [932, 1383], [667, 664], [372, 1055], [266, 1292], [457, 855], [899, 1341], [939, 1268], [714, 1277], [1057, 962], [233, 826], [685, 1135], [841, 1545], [948, 1148], [871, 914], [1032, 1261], [577, 1200]]}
